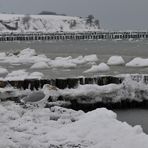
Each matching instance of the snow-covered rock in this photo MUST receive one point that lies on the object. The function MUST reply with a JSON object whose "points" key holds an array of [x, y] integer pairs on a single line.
{"points": [[102, 67], [115, 60], [138, 62]]}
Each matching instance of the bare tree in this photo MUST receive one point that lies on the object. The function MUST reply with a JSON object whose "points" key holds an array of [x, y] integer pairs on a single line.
{"points": [[90, 19], [97, 23], [73, 23], [26, 19]]}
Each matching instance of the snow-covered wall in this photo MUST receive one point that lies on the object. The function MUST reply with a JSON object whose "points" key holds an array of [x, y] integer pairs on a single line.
{"points": [[44, 23]]}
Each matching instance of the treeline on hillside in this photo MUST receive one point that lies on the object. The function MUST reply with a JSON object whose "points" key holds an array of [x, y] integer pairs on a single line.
{"points": [[50, 13], [90, 19]]}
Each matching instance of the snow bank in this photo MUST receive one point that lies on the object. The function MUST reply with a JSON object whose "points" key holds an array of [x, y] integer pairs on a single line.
{"points": [[138, 62], [59, 127], [102, 67], [115, 60]]}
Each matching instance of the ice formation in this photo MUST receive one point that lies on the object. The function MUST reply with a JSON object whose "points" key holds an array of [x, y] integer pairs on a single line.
{"points": [[115, 60], [98, 68]]}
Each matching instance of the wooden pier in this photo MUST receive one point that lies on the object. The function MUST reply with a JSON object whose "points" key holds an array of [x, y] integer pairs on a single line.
{"points": [[84, 102], [95, 35]]}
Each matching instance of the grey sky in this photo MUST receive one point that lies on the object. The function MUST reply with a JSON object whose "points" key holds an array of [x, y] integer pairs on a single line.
{"points": [[113, 14]]}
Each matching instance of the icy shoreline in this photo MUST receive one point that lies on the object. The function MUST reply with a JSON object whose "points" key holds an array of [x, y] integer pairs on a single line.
{"points": [[29, 124], [65, 128], [112, 92]]}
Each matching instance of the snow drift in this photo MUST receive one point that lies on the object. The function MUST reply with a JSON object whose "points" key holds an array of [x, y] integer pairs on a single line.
{"points": [[59, 127]]}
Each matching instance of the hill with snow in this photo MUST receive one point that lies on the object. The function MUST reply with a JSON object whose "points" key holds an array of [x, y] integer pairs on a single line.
{"points": [[44, 23]]}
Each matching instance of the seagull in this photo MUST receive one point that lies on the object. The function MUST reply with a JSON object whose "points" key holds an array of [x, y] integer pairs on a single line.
{"points": [[40, 97]]}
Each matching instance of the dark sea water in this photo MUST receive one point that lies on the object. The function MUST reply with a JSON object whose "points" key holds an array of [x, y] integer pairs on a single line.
{"points": [[104, 49], [134, 117]]}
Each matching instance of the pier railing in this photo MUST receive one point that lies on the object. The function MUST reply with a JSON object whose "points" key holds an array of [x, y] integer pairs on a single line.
{"points": [[89, 35]]}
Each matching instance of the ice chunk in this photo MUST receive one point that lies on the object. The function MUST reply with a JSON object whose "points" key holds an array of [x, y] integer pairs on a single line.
{"points": [[102, 67], [138, 62], [115, 60], [40, 65]]}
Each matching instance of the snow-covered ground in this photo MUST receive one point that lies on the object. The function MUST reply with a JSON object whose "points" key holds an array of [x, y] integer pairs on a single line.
{"points": [[65, 128], [43, 23]]}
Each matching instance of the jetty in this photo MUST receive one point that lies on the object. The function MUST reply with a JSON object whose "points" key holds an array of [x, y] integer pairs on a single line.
{"points": [[83, 102], [88, 35]]}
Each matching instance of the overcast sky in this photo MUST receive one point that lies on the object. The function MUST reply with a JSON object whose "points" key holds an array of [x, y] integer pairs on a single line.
{"points": [[113, 14]]}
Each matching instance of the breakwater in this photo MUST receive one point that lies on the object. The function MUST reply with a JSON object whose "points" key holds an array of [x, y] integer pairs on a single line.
{"points": [[128, 92], [61, 83], [89, 35]]}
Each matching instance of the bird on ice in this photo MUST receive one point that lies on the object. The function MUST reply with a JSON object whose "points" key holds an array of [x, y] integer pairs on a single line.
{"points": [[40, 97]]}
